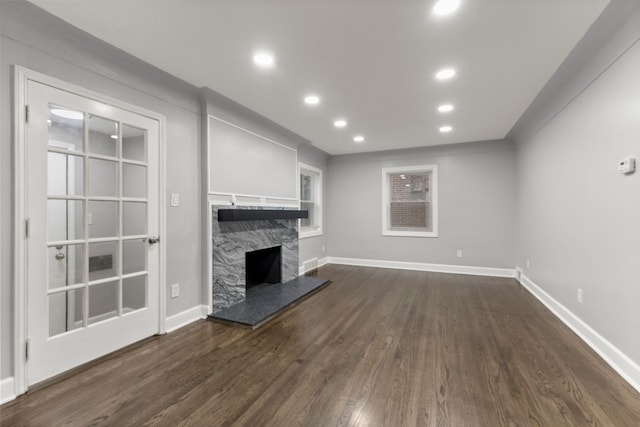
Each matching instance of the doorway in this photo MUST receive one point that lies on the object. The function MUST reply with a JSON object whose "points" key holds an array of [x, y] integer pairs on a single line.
{"points": [[91, 278]]}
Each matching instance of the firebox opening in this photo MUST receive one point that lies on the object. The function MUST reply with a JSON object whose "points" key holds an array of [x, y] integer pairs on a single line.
{"points": [[263, 266]]}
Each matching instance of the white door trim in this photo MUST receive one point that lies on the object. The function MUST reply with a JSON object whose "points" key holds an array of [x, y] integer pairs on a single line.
{"points": [[21, 77]]}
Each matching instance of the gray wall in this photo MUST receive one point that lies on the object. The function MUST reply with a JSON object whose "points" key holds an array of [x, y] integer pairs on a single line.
{"points": [[578, 217], [34, 39], [476, 206], [316, 246]]}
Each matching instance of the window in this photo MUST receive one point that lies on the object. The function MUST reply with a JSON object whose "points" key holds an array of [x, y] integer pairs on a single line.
{"points": [[410, 201], [311, 200]]}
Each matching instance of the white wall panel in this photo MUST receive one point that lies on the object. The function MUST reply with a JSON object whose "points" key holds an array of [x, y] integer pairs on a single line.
{"points": [[244, 163]]}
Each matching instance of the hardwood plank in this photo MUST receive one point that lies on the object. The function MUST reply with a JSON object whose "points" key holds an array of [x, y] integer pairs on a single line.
{"points": [[378, 347]]}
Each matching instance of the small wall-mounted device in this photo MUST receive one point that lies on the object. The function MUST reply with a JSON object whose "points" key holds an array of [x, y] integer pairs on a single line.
{"points": [[627, 165]]}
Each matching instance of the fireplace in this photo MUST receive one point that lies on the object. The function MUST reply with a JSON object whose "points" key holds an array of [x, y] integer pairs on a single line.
{"points": [[250, 229], [263, 266], [254, 246]]}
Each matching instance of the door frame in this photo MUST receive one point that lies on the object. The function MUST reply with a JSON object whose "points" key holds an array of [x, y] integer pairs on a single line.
{"points": [[21, 76]]}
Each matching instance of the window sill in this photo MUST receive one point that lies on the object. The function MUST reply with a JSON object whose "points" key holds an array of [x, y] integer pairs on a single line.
{"points": [[410, 233]]}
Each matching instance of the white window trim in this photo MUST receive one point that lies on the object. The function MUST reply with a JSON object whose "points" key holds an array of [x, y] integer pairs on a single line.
{"points": [[433, 188], [312, 231]]}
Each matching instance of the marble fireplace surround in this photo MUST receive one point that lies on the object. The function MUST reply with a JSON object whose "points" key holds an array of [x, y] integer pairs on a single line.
{"points": [[232, 239]]}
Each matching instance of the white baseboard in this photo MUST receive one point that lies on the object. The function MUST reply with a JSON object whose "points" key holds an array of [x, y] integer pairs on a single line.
{"points": [[419, 266], [7, 390], [184, 318], [620, 362]]}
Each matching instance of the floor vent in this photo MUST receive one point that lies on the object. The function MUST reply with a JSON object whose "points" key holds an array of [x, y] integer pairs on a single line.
{"points": [[312, 264]]}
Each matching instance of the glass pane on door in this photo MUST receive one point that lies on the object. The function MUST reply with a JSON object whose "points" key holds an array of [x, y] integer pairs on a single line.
{"points": [[134, 181], [134, 293], [134, 143], [103, 301], [103, 259], [65, 311], [103, 136], [134, 218], [134, 256], [65, 174], [103, 178], [66, 265], [103, 219], [65, 220], [66, 128]]}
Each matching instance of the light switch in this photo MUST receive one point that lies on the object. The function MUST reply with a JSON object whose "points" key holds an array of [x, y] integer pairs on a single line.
{"points": [[175, 199]]}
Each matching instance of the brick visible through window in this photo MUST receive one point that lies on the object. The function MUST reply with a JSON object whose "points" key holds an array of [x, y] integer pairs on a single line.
{"points": [[409, 202]]}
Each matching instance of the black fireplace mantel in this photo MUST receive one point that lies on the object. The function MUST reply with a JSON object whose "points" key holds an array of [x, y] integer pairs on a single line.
{"points": [[260, 214]]}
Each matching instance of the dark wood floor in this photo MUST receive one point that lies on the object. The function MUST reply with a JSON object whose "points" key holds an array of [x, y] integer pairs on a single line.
{"points": [[375, 348]]}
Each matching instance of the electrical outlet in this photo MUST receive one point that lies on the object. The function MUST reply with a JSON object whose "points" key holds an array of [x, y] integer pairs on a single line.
{"points": [[459, 253], [175, 290], [528, 264], [580, 295], [175, 199], [323, 248]]}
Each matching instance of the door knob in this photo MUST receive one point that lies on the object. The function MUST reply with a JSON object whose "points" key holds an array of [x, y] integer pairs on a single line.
{"points": [[153, 240]]}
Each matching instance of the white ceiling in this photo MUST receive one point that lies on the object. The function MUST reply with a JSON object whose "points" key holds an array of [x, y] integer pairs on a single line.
{"points": [[371, 61]]}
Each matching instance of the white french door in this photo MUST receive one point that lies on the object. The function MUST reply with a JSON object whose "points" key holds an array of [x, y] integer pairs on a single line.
{"points": [[92, 203]]}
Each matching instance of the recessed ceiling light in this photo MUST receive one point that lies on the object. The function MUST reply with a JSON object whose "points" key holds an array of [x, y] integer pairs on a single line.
{"points": [[446, 129], [263, 59], [358, 138], [340, 123], [445, 108], [311, 100], [445, 7], [445, 74], [114, 136], [67, 114]]}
